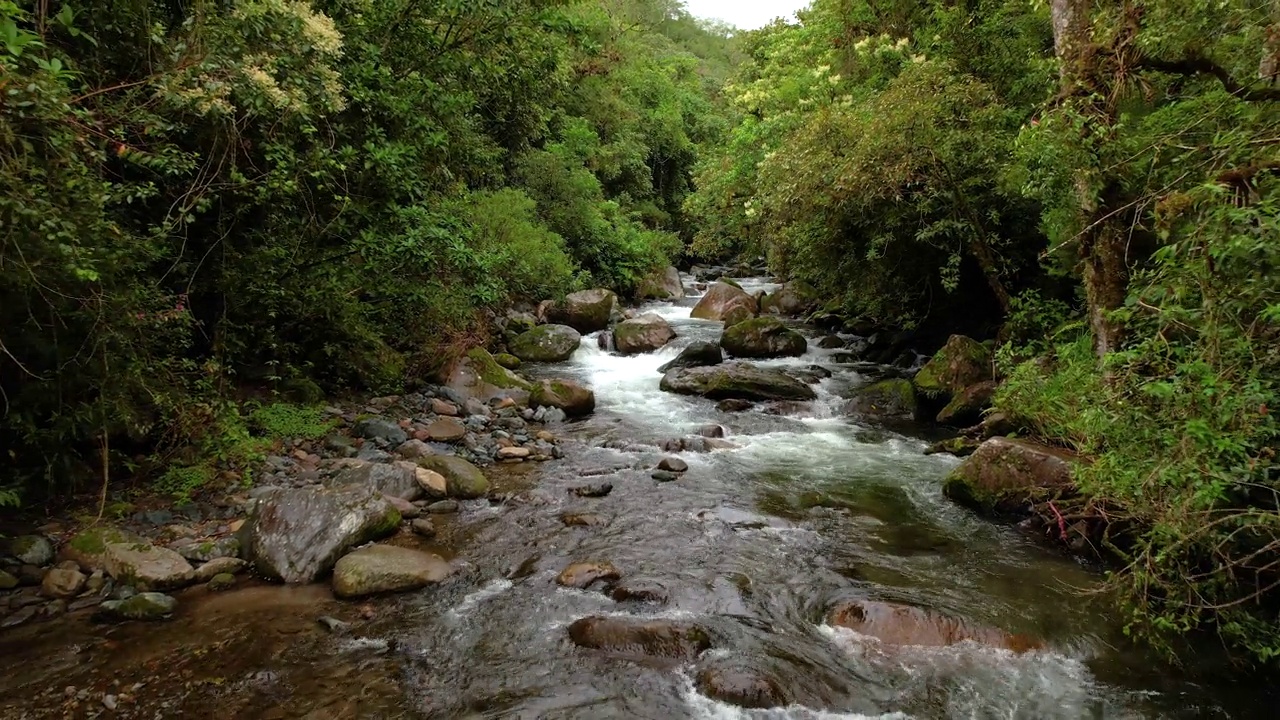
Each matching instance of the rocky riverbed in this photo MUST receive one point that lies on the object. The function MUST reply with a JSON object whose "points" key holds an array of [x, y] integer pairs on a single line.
{"points": [[652, 517]]}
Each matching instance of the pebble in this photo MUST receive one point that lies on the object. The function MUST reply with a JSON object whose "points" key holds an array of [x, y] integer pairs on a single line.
{"points": [[424, 527]]}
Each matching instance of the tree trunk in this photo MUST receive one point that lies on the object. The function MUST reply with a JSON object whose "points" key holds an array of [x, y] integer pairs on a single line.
{"points": [[1269, 67]]}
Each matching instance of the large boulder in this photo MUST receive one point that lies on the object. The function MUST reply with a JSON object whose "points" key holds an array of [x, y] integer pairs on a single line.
{"points": [[28, 549], [88, 548], [720, 298], [762, 338], [894, 624], [462, 479], [1004, 476], [967, 406], [574, 399], [297, 534], [886, 400], [586, 311], [736, 380], [656, 638], [546, 343], [394, 479], [960, 363], [642, 334], [792, 299], [386, 569], [662, 284], [477, 375], [697, 354], [737, 684], [147, 567]]}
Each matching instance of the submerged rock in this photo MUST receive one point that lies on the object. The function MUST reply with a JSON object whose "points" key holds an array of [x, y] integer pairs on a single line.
{"points": [[582, 575], [645, 333], [1005, 475], [740, 686], [586, 311], [640, 590], [143, 606], [583, 520], [546, 343], [571, 397], [762, 338], [658, 638], [736, 380], [895, 624], [379, 569], [592, 491], [721, 298], [296, 535], [697, 354]]}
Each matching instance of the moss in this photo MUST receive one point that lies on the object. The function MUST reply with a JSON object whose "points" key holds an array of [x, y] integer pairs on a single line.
{"points": [[388, 525], [489, 371], [301, 390], [730, 281], [94, 540], [507, 360]]}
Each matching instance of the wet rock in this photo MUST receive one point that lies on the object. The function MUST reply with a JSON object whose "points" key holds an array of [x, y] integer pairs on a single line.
{"points": [[546, 343], [571, 397], [396, 479], [962, 362], [968, 405], [296, 535], [407, 510], [220, 566], [443, 507], [143, 606], [88, 547], [62, 582], [788, 407], [7, 581], [697, 354], [831, 342], [478, 376], [30, 575], [432, 483], [381, 429], [146, 566], [514, 453], [711, 431], [664, 476], [640, 590], [423, 527], [736, 316], [462, 479], [582, 575], [586, 311], [386, 568], [744, 687], [583, 520], [210, 549], [662, 284], [333, 625], [886, 400], [895, 624], [736, 380], [645, 333], [762, 338], [220, 582], [595, 490], [658, 638], [958, 446], [28, 549], [507, 360], [446, 429], [734, 405], [1005, 475], [794, 298], [721, 298], [673, 464]]}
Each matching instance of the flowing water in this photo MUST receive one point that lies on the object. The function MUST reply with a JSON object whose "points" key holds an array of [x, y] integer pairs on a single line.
{"points": [[754, 542]]}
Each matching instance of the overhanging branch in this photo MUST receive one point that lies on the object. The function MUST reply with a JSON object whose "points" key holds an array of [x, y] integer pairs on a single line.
{"points": [[1203, 66]]}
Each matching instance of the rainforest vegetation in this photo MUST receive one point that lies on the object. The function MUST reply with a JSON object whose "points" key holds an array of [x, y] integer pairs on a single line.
{"points": [[207, 207]]}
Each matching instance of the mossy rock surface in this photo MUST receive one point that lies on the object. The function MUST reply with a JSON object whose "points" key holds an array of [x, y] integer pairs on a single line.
{"points": [[379, 569], [893, 399], [479, 375], [736, 381], [462, 479], [960, 363], [546, 343], [574, 399], [1005, 476], [762, 337], [967, 406], [88, 548], [507, 360]]}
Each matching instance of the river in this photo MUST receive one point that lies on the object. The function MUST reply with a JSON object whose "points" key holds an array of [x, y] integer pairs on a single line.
{"points": [[754, 542]]}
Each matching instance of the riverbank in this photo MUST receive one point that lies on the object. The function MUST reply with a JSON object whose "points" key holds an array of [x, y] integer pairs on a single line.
{"points": [[801, 511]]}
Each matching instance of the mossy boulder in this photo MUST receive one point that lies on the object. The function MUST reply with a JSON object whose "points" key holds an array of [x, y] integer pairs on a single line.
{"points": [[574, 399], [960, 363], [664, 284], [792, 299], [145, 606], [379, 569], [462, 479], [88, 549], [967, 406], [720, 298], [28, 549], [1005, 476], [586, 311], [762, 338], [645, 333], [886, 400], [735, 380], [736, 315], [546, 343], [507, 360], [297, 534], [477, 374]]}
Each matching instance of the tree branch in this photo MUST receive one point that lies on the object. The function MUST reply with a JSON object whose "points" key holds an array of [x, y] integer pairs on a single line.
{"points": [[1196, 65]]}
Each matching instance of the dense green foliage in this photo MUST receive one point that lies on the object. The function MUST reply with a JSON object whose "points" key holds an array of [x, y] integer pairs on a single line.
{"points": [[1106, 194], [200, 197]]}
